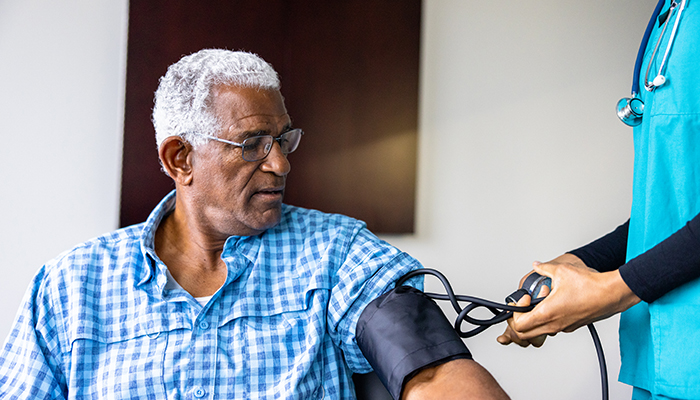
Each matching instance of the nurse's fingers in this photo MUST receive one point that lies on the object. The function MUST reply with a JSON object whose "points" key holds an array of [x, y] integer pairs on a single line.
{"points": [[510, 335]]}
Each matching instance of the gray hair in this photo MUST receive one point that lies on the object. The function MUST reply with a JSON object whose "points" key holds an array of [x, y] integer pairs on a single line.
{"points": [[183, 98]]}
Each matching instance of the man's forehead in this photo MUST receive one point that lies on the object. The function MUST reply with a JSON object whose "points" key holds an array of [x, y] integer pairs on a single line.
{"points": [[244, 107], [260, 123]]}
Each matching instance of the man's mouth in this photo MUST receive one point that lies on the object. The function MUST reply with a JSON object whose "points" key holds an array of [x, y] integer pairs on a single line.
{"points": [[271, 192]]}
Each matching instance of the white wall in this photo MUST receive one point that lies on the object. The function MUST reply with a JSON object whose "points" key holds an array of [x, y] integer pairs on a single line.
{"points": [[521, 155], [62, 74], [523, 158]]}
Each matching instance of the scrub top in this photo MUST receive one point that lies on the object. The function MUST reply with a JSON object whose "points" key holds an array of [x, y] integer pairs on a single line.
{"points": [[658, 341]]}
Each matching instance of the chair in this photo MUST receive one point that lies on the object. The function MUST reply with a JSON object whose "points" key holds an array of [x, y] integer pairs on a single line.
{"points": [[369, 387]]}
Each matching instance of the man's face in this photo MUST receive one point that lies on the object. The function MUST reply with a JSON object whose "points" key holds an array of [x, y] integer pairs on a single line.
{"points": [[234, 196]]}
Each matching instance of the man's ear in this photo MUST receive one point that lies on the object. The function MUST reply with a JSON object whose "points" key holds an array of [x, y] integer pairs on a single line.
{"points": [[176, 157]]}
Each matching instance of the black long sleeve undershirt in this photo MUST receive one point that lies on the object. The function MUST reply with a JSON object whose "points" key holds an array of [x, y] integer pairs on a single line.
{"points": [[666, 266]]}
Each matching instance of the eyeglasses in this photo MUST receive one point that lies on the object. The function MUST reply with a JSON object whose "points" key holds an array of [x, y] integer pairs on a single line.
{"points": [[257, 148]]}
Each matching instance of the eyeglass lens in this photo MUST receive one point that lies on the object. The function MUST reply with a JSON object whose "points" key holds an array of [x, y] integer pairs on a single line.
{"points": [[258, 147]]}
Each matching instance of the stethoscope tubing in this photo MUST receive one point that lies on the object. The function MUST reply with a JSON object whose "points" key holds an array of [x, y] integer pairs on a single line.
{"points": [[643, 46], [674, 5]]}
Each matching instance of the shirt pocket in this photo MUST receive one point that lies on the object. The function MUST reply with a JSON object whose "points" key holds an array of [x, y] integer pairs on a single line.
{"points": [[285, 350], [123, 366]]}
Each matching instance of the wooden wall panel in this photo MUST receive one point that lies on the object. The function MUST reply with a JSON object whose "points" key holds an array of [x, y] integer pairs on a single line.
{"points": [[349, 72]]}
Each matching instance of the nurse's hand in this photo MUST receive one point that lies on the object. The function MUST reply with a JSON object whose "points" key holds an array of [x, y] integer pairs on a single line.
{"points": [[579, 296], [509, 336]]}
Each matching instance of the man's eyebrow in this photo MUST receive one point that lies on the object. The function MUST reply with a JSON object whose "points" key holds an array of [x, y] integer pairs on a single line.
{"points": [[260, 132], [285, 129], [252, 133], [241, 136]]}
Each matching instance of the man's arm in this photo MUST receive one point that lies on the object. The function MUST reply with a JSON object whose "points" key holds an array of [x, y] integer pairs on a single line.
{"points": [[416, 352], [25, 368], [457, 379]]}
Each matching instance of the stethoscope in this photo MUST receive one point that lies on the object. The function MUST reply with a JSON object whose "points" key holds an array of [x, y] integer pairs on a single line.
{"points": [[631, 109]]}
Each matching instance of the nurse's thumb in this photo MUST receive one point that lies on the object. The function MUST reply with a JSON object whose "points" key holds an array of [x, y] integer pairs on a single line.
{"points": [[545, 269]]}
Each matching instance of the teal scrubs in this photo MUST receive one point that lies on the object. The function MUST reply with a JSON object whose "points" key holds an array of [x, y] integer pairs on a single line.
{"points": [[660, 342]]}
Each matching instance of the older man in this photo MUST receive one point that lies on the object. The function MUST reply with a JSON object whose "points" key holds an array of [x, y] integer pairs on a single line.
{"points": [[224, 292]]}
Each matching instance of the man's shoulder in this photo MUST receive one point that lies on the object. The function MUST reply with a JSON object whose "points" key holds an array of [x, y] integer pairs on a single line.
{"points": [[302, 227], [95, 267], [84, 288], [107, 248], [294, 217]]}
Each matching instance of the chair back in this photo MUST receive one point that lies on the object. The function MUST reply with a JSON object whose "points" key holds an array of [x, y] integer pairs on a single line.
{"points": [[369, 387]]}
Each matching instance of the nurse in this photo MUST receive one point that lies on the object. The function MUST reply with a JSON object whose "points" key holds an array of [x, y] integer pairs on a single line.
{"points": [[648, 267]]}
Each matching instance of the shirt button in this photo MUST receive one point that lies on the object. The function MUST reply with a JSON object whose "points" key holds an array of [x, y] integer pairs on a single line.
{"points": [[204, 325], [199, 393]]}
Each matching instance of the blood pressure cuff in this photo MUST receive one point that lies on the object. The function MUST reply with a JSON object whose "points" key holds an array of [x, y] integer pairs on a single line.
{"points": [[404, 331]]}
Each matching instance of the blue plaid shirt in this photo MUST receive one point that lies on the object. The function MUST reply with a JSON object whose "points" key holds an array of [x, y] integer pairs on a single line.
{"points": [[98, 322]]}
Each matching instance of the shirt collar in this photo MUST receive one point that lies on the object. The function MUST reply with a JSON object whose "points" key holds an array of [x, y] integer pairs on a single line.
{"points": [[247, 246], [148, 235]]}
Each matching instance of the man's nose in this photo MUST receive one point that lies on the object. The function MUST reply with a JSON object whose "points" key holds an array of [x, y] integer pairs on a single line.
{"points": [[276, 161]]}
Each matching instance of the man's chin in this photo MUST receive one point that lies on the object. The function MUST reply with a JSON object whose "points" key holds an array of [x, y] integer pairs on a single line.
{"points": [[269, 219]]}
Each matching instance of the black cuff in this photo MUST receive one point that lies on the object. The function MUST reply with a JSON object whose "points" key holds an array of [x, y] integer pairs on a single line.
{"points": [[403, 332]]}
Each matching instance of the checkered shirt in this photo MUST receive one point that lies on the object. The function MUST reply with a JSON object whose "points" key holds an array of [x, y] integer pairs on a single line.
{"points": [[98, 323]]}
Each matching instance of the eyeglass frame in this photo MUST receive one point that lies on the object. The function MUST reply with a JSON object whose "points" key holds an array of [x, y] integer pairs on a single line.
{"points": [[242, 144]]}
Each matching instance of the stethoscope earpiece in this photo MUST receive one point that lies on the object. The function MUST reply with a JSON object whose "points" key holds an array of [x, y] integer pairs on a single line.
{"points": [[658, 81], [630, 110]]}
